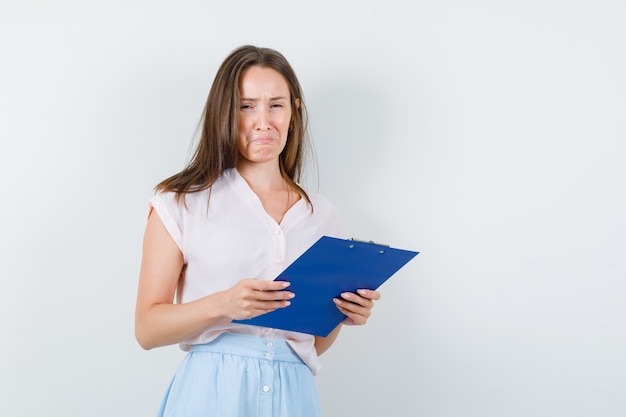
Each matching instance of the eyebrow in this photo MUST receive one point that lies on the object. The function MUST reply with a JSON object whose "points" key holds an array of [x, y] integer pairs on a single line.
{"points": [[271, 98]]}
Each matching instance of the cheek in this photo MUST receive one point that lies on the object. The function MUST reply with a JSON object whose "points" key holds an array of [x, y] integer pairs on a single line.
{"points": [[284, 121], [241, 136], [242, 127]]}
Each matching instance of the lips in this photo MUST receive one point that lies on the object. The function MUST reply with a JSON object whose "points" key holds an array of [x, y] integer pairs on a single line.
{"points": [[263, 140]]}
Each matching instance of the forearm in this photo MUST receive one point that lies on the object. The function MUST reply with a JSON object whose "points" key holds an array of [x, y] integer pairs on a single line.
{"points": [[166, 324], [322, 344]]}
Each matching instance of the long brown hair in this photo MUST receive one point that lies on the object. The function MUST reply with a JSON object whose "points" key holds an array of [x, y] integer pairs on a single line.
{"points": [[217, 149]]}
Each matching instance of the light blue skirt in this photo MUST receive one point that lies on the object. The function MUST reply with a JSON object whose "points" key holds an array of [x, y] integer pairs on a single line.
{"points": [[241, 376]]}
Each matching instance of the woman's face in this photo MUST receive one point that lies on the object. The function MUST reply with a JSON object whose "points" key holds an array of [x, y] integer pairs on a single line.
{"points": [[264, 115]]}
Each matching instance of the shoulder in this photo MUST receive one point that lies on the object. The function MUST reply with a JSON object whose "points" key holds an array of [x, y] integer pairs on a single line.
{"points": [[166, 200], [178, 207], [192, 199]]}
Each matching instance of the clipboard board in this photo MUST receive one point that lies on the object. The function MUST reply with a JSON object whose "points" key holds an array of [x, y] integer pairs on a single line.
{"points": [[328, 268]]}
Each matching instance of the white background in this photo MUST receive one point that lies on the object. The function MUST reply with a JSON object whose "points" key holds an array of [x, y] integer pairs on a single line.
{"points": [[488, 135]]}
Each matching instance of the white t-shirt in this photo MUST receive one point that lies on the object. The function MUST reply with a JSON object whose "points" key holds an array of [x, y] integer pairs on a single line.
{"points": [[226, 235]]}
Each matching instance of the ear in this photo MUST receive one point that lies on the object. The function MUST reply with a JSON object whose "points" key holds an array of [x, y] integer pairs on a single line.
{"points": [[297, 101]]}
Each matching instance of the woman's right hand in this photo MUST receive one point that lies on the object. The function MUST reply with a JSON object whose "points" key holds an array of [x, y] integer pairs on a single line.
{"points": [[253, 297], [159, 321]]}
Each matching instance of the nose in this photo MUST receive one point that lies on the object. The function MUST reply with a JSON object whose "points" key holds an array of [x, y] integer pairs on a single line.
{"points": [[262, 120]]}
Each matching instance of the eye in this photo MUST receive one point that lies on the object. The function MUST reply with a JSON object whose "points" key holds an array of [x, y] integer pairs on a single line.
{"points": [[246, 106], [277, 105]]}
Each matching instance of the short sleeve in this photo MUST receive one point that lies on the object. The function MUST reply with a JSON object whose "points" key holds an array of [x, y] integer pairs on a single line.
{"points": [[169, 212]]}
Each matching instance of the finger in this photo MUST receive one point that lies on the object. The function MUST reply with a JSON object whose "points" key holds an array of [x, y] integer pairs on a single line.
{"points": [[266, 296], [353, 308], [263, 308], [254, 289], [357, 299], [263, 285], [267, 306], [369, 294], [353, 318]]}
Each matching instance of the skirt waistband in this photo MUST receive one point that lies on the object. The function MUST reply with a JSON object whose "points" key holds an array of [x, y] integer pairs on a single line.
{"points": [[249, 346]]}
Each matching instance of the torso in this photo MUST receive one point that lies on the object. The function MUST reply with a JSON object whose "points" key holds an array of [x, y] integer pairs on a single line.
{"points": [[234, 234]]}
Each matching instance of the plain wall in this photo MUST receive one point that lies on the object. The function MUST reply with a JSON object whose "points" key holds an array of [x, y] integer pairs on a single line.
{"points": [[487, 135]]}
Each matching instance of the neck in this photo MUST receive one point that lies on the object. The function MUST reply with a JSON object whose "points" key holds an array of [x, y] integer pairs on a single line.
{"points": [[262, 177]]}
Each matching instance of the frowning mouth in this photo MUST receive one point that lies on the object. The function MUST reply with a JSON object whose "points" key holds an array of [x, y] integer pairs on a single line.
{"points": [[262, 141]]}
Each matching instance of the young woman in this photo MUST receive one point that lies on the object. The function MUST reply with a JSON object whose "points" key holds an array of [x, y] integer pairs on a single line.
{"points": [[217, 234]]}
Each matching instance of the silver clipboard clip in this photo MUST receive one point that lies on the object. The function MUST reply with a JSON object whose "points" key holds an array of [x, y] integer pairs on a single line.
{"points": [[369, 242]]}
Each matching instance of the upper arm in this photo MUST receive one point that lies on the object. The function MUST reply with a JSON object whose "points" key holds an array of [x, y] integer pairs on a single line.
{"points": [[161, 265]]}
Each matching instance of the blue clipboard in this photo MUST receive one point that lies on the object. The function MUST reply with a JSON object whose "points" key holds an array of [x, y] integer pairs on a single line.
{"points": [[328, 268]]}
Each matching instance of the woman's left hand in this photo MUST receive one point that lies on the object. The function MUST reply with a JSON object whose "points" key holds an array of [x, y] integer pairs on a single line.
{"points": [[357, 307]]}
